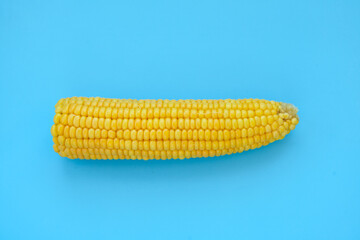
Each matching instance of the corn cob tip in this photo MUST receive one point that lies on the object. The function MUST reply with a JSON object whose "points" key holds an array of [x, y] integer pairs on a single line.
{"points": [[289, 109]]}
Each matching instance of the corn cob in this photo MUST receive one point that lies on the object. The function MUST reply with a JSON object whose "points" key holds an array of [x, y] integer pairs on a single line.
{"points": [[102, 128]]}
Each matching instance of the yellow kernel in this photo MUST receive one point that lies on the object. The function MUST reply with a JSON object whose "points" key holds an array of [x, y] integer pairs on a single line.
{"points": [[162, 113], [114, 113], [174, 123], [166, 134], [264, 120], [73, 143], [201, 113], [82, 121], [128, 145], [159, 134], [267, 129], [228, 123], [246, 123], [146, 134], [102, 112], [193, 113], [119, 134], [208, 145], [177, 134], [126, 113], [108, 112], [72, 132], [202, 145], [174, 113], [77, 109], [198, 123], [240, 123], [167, 122], [250, 132], [226, 135], [143, 113], [234, 124], [180, 123], [153, 145], [152, 134], [140, 135], [172, 145], [204, 123], [78, 133], [252, 122], [262, 130], [276, 134], [201, 134], [70, 119], [226, 113], [222, 123], [159, 145], [275, 125], [91, 133], [124, 124], [132, 113], [134, 145], [257, 121], [53, 131], [63, 119], [95, 123], [101, 123], [97, 133], [110, 143], [251, 113], [155, 123], [221, 145], [280, 121], [207, 134], [76, 122], [216, 124], [104, 133], [114, 124], [243, 133], [107, 123], [281, 129], [150, 113], [232, 113], [220, 135], [133, 135], [294, 121], [270, 119], [259, 112], [127, 134], [184, 135], [131, 124], [244, 113], [88, 122]]}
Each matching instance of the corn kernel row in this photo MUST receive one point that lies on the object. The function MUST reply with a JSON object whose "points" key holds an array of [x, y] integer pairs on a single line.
{"points": [[76, 104], [166, 123], [145, 155], [178, 134], [117, 143]]}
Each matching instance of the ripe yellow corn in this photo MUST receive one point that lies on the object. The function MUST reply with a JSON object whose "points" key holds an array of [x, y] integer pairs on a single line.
{"points": [[103, 128]]}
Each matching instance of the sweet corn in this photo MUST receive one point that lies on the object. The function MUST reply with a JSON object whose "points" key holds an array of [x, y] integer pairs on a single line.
{"points": [[103, 128]]}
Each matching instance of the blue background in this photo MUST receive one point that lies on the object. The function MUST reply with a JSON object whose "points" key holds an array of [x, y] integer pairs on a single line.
{"points": [[302, 52]]}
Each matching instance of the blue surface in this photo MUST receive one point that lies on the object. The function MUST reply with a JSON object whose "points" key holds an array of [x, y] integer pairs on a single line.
{"points": [[302, 52]]}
